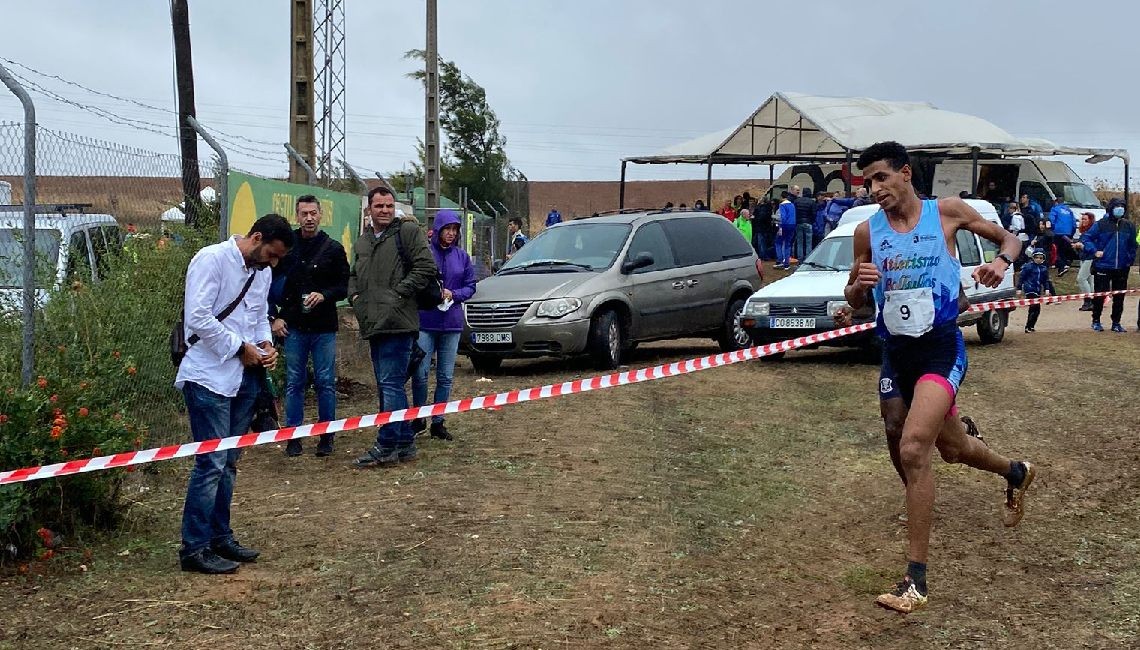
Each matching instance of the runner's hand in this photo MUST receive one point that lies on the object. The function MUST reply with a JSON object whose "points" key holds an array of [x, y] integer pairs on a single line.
{"points": [[843, 317], [989, 275], [868, 275]]}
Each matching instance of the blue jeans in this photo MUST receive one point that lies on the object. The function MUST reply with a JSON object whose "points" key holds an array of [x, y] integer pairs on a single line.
{"points": [[445, 345], [298, 347], [803, 240], [784, 245], [206, 514], [390, 356]]}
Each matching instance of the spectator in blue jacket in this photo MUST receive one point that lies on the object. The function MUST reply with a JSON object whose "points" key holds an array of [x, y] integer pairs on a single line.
{"points": [[440, 328], [786, 232], [835, 209], [1034, 282], [553, 217], [1112, 241], [1064, 227]]}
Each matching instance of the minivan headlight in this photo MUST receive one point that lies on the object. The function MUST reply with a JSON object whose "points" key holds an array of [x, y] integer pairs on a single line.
{"points": [[558, 307], [752, 308], [833, 306]]}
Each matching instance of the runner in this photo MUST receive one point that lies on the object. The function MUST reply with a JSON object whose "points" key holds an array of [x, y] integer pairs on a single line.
{"points": [[892, 408], [903, 259]]}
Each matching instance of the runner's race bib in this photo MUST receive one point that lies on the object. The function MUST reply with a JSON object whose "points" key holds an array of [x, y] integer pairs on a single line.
{"points": [[909, 312]]}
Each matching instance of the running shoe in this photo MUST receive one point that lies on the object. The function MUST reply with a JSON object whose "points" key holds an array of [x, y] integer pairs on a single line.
{"points": [[1097, 327], [905, 598], [1015, 496], [1063, 271], [1116, 327]]}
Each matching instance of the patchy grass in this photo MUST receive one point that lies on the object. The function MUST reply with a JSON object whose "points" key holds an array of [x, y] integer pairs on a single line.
{"points": [[750, 506]]}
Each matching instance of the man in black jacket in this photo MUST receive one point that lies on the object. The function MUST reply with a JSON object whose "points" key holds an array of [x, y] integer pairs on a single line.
{"points": [[805, 219], [307, 285]]}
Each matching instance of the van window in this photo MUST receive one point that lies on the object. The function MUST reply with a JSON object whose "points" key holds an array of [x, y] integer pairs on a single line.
{"points": [[651, 239], [989, 250], [104, 243], [1037, 192], [78, 260], [12, 257], [968, 253], [705, 239]]}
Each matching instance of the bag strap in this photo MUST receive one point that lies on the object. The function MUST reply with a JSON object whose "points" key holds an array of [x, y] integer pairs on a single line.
{"points": [[194, 338]]}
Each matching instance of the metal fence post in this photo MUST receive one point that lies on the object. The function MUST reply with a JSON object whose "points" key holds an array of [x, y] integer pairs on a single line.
{"points": [[28, 353], [221, 178], [312, 175]]}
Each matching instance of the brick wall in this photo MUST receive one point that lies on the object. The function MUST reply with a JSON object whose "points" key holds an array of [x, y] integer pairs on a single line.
{"points": [[580, 198]]}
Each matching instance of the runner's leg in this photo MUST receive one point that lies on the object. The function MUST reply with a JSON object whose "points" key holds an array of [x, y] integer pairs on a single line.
{"points": [[932, 401], [893, 411]]}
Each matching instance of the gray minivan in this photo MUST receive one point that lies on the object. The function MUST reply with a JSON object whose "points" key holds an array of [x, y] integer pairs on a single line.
{"points": [[601, 285]]}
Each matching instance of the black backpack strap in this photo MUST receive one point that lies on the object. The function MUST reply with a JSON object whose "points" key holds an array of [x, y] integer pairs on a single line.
{"points": [[194, 338]]}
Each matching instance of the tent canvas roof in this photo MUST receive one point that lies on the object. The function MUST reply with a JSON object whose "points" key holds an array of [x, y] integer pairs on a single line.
{"points": [[793, 127]]}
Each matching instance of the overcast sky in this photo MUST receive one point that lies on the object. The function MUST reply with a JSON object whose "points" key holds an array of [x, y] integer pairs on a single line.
{"points": [[580, 84]]}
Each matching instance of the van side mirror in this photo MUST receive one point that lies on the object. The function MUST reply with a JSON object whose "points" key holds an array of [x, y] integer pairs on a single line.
{"points": [[638, 261], [496, 265]]}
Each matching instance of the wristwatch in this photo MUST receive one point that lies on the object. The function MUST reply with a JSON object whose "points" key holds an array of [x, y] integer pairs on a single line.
{"points": [[1005, 258]]}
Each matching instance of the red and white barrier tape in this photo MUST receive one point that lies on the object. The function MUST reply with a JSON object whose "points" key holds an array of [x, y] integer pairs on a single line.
{"points": [[129, 458]]}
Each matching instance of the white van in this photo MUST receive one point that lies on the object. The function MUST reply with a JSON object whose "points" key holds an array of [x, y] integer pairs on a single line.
{"points": [[1041, 179], [67, 245], [806, 301]]}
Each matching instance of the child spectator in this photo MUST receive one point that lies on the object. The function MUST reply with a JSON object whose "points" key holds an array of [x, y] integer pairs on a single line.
{"points": [[1033, 282]]}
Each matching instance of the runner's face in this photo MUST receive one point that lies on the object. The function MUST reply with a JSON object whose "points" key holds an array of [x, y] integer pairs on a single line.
{"points": [[888, 186]]}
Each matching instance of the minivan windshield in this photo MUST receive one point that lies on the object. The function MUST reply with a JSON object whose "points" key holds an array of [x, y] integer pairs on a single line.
{"points": [[1077, 194], [12, 257], [832, 254], [574, 247]]}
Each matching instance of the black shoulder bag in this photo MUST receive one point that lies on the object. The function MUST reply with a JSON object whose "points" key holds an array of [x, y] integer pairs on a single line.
{"points": [[430, 296], [179, 344]]}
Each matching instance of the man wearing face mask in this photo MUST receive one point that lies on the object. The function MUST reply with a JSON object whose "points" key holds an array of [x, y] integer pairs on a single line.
{"points": [[1112, 243]]}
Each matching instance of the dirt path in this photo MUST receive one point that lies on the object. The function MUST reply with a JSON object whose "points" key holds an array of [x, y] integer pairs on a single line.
{"points": [[749, 506]]}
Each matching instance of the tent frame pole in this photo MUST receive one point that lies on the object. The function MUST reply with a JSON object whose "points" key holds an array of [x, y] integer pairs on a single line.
{"points": [[708, 188], [621, 188]]}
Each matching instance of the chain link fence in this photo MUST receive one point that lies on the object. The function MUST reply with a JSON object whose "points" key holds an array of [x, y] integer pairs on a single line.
{"points": [[112, 252]]}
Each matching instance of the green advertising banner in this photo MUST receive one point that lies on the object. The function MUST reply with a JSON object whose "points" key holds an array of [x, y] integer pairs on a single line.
{"points": [[252, 197]]}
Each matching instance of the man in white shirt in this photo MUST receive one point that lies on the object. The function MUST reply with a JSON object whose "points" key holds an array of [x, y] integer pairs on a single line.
{"points": [[218, 380]]}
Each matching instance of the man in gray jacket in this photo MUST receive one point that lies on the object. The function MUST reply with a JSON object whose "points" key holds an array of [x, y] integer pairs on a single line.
{"points": [[390, 264]]}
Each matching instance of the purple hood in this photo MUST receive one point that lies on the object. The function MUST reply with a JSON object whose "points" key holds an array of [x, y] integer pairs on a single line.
{"points": [[455, 272]]}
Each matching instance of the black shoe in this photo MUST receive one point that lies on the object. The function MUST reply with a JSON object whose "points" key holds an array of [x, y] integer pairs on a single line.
{"points": [[440, 431], [1063, 271], [407, 453], [378, 457], [206, 561], [293, 448], [325, 446], [1029, 330], [419, 425], [231, 550]]}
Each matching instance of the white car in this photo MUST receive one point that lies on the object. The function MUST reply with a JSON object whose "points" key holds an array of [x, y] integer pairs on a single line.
{"points": [[67, 245], [806, 301]]}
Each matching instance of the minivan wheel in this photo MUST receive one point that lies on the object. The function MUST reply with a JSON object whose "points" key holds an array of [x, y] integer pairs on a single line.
{"points": [[733, 336], [991, 329], [606, 340], [485, 364]]}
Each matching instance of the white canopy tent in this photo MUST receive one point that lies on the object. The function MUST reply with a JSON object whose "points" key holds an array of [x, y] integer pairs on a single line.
{"points": [[793, 127]]}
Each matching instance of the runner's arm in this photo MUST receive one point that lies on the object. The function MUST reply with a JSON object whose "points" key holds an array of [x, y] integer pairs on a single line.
{"points": [[864, 274], [966, 218]]}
